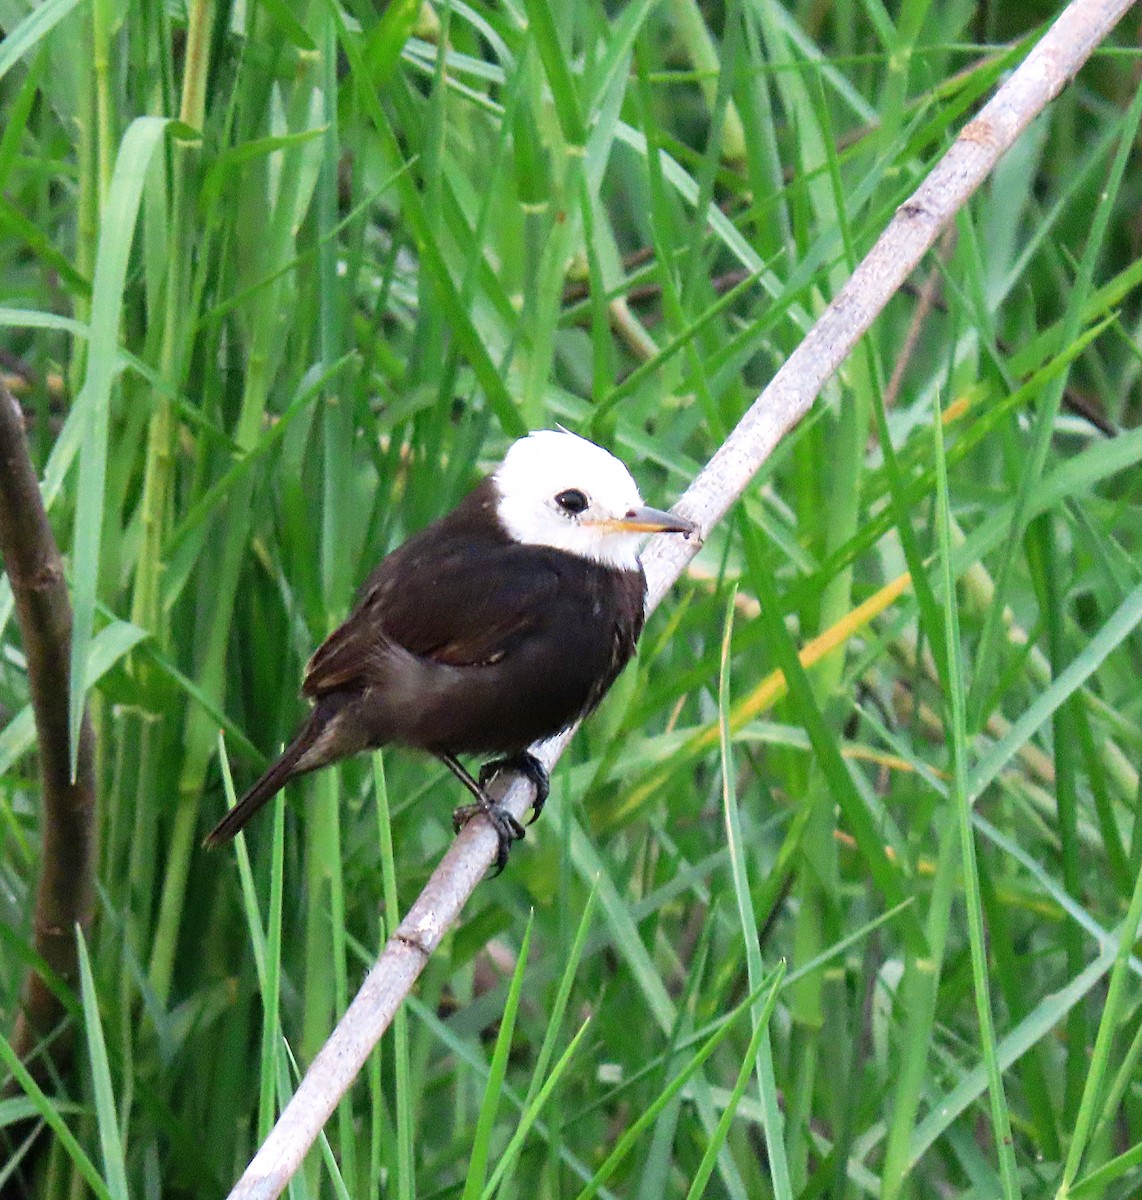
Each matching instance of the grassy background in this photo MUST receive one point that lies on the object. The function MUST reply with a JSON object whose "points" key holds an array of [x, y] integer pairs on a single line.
{"points": [[256, 358]]}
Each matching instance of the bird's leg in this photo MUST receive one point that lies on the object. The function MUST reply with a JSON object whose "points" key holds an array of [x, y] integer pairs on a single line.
{"points": [[507, 828], [526, 764]]}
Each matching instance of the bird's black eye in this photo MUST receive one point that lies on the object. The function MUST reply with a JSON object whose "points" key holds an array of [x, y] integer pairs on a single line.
{"points": [[572, 501]]}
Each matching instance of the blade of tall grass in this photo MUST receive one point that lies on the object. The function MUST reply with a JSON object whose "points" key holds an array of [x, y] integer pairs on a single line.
{"points": [[957, 727], [1095, 461], [749, 1063], [534, 1107], [290, 200], [109, 647], [1124, 1076], [324, 954], [459, 318], [139, 143], [561, 219], [632, 1133], [272, 1034], [542, 1084], [52, 1115], [564, 94], [1078, 295], [476, 1177], [919, 997], [843, 434], [765, 694], [475, 1061], [1098, 933], [1090, 1107], [106, 1116], [761, 1051], [405, 1182], [949, 1106], [885, 871], [1047, 572], [29, 32], [20, 228], [288, 1074], [654, 1170], [1095, 1183], [591, 869], [1117, 627]]}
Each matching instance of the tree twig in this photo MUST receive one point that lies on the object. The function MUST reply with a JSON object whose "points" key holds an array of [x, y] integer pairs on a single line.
{"points": [[65, 896], [787, 398], [927, 298]]}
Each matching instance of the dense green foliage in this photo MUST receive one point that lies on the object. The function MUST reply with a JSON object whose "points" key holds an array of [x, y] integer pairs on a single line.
{"points": [[279, 282]]}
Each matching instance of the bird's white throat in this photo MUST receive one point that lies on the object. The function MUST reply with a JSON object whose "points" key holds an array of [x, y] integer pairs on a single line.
{"points": [[548, 465]]}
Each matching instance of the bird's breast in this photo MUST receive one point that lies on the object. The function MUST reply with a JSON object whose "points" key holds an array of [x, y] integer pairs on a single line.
{"points": [[547, 678]]}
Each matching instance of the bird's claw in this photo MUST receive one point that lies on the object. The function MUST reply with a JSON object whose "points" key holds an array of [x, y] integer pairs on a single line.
{"points": [[508, 829], [527, 765]]}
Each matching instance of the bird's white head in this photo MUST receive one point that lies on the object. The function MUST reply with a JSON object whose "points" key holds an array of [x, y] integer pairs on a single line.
{"points": [[562, 491]]}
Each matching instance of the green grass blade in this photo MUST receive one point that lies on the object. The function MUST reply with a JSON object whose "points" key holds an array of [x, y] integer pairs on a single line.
{"points": [[1078, 294], [632, 1133], [1037, 1025], [405, 1184], [541, 21], [109, 646], [52, 1116], [531, 1114], [1096, 1182], [543, 1084], [106, 1116], [761, 1052], [474, 1181], [760, 1034], [120, 211], [1118, 626], [1090, 1107], [957, 725], [31, 30]]}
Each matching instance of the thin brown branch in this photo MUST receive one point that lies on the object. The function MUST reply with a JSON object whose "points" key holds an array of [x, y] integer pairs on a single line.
{"points": [[927, 299], [1074, 399], [788, 397], [65, 896]]}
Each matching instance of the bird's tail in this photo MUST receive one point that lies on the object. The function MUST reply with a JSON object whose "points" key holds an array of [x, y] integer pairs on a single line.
{"points": [[272, 782]]}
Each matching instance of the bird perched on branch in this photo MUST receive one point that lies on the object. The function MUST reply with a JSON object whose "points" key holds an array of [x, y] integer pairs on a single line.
{"points": [[497, 626]]}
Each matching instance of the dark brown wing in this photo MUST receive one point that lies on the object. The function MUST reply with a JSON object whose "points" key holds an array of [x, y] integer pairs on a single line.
{"points": [[460, 593]]}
